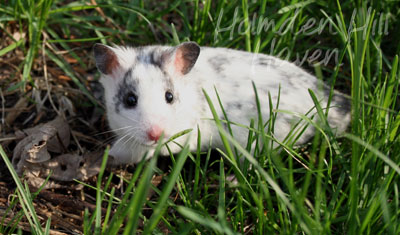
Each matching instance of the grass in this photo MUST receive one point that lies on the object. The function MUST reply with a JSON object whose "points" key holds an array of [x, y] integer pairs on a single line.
{"points": [[331, 186]]}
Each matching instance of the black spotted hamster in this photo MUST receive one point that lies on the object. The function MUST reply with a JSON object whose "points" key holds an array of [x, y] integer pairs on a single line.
{"points": [[159, 89]]}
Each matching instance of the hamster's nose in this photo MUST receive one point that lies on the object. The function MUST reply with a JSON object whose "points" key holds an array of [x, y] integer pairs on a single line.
{"points": [[154, 133]]}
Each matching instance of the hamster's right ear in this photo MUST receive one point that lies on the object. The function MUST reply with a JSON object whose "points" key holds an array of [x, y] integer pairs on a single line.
{"points": [[106, 59]]}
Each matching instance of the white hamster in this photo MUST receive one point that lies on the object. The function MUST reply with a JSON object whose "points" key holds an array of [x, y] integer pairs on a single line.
{"points": [[158, 89]]}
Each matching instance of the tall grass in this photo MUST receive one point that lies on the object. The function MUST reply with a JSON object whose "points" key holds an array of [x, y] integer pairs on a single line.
{"points": [[346, 185]]}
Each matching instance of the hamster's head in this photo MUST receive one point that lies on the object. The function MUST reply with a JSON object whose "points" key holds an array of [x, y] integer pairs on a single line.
{"points": [[148, 91]]}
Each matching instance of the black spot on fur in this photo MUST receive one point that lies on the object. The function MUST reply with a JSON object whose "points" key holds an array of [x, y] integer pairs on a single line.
{"points": [[296, 82], [343, 103], [128, 85], [285, 75], [289, 120], [265, 61], [218, 62], [234, 105], [204, 108], [149, 57], [155, 59]]}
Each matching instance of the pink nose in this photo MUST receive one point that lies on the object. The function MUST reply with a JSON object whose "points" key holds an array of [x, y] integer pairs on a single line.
{"points": [[154, 133]]}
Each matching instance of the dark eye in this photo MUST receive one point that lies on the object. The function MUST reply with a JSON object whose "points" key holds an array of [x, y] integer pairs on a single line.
{"points": [[130, 100], [169, 97]]}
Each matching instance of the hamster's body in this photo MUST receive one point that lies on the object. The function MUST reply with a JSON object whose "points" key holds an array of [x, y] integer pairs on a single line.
{"points": [[158, 89]]}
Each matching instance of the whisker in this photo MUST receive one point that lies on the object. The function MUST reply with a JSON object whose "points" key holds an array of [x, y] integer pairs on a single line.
{"points": [[113, 130], [120, 138], [130, 119]]}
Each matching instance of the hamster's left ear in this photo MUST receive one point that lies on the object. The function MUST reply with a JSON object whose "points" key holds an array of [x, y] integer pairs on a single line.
{"points": [[183, 57], [106, 59]]}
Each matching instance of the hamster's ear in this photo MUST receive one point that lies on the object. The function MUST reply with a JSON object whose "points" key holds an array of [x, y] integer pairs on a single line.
{"points": [[183, 57], [106, 59]]}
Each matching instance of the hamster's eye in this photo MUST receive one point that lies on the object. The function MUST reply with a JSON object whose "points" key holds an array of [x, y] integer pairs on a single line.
{"points": [[169, 97], [130, 100]]}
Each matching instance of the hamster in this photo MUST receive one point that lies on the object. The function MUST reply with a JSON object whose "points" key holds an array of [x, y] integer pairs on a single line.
{"points": [[155, 91]]}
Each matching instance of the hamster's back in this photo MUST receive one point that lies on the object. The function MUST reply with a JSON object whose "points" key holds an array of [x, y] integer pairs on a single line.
{"points": [[232, 73]]}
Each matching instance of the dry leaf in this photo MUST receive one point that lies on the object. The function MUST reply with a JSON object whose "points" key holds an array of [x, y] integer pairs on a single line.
{"points": [[59, 142], [34, 156], [66, 167]]}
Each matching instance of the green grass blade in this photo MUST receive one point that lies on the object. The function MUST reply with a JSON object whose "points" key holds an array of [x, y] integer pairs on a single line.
{"points": [[68, 70], [206, 222], [25, 198], [108, 212], [136, 203], [161, 204], [375, 151], [392, 82], [295, 6], [11, 47], [219, 125], [97, 226], [245, 10], [221, 214]]}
